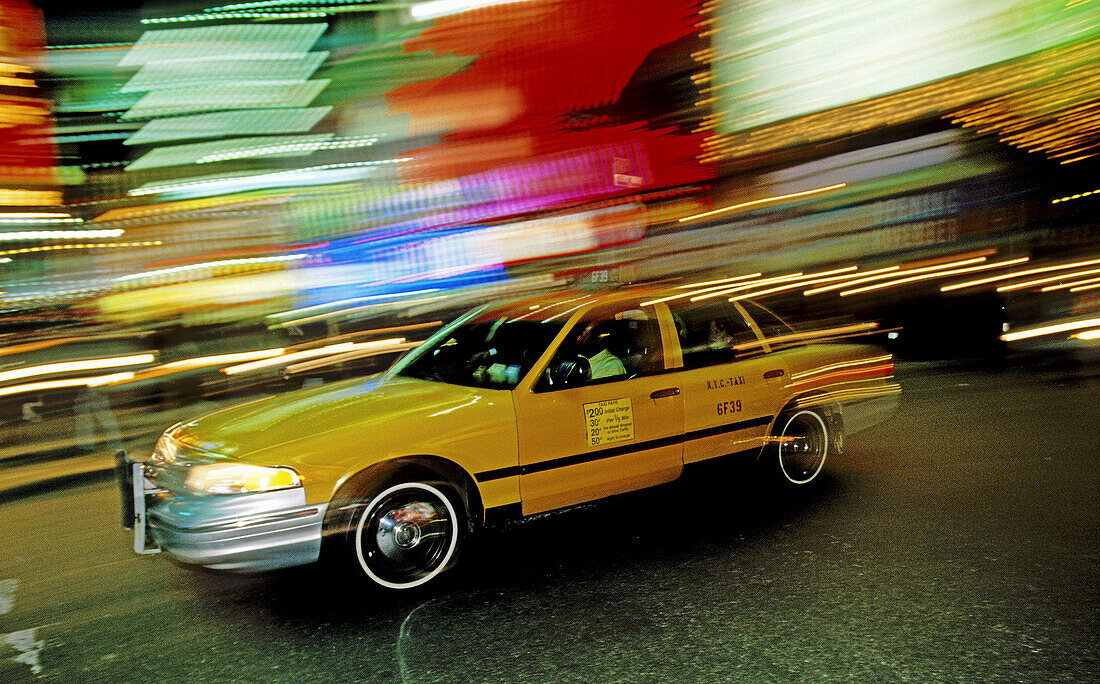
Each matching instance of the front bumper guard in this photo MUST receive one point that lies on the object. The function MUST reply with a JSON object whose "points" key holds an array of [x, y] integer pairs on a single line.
{"points": [[133, 489]]}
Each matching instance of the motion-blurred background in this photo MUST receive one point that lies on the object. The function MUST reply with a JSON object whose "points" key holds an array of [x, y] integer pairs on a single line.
{"points": [[201, 202]]}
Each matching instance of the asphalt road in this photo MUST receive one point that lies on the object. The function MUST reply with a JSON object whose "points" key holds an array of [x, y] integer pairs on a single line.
{"points": [[957, 542]]}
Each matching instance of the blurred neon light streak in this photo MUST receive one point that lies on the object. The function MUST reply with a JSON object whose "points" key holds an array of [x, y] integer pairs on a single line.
{"points": [[1050, 329], [1017, 274], [883, 276], [766, 200], [1040, 281], [1088, 335], [70, 366], [1084, 287], [929, 276], [95, 381]]}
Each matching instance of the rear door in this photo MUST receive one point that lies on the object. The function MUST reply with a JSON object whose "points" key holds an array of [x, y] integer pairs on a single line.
{"points": [[732, 387]]}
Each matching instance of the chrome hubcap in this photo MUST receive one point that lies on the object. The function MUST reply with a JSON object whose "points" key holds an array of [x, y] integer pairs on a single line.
{"points": [[407, 535], [803, 447]]}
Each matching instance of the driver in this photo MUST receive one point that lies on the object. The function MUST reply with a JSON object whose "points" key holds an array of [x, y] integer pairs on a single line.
{"points": [[604, 364]]}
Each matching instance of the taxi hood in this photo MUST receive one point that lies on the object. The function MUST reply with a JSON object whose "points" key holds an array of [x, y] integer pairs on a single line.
{"points": [[364, 405]]}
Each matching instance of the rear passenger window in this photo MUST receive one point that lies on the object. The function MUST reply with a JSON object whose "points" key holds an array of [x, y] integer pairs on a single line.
{"points": [[711, 333], [776, 332]]}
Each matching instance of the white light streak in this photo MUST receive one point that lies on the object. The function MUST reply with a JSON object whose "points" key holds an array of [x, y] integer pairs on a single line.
{"points": [[1050, 329], [441, 8], [59, 234], [72, 366], [211, 264]]}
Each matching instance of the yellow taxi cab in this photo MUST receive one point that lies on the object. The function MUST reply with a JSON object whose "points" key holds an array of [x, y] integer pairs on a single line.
{"points": [[513, 409]]}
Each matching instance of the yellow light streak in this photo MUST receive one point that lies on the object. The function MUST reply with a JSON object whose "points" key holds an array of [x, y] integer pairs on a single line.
{"points": [[91, 245], [765, 200], [95, 381], [73, 366], [1082, 288], [854, 329], [1017, 274], [748, 286], [1076, 196], [838, 366], [1065, 286], [929, 276], [815, 281], [1050, 329], [882, 276], [1088, 334], [851, 393], [1040, 281], [701, 289]]}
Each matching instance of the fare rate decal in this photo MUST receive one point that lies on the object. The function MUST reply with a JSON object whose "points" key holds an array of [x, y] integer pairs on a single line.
{"points": [[608, 421]]}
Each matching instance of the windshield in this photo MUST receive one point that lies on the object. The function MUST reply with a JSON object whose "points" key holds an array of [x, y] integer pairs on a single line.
{"points": [[490, 350]]}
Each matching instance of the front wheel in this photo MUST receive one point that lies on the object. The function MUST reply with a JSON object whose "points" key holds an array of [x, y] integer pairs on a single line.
{"points": [[406, 535], [803, 444]]}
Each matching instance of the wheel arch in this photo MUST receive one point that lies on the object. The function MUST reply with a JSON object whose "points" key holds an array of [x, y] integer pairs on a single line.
{"points": [[421, 467], [831, 411]]}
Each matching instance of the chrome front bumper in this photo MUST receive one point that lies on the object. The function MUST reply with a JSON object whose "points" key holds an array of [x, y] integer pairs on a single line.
{"points": [[242, 533]]}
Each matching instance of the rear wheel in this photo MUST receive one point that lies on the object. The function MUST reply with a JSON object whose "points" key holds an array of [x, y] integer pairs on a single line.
{"points": [[803, 444], [406, 535]]}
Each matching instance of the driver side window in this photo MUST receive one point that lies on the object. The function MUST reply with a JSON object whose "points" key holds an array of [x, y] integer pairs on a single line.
{"points": [[610, 344]]}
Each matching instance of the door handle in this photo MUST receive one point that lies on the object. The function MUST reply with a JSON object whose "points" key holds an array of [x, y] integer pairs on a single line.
{"points": [[667, 392], [774, 373]]}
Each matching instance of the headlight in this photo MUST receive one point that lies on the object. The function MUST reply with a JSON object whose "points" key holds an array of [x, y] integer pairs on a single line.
{"points": [[238, 478], [165, 451]]}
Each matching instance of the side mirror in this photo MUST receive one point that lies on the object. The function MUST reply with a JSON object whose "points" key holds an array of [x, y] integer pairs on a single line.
{"points": [[569, 373]]}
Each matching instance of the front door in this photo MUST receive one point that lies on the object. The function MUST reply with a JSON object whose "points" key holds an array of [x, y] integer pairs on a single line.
{"points": [[614, 426]]}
